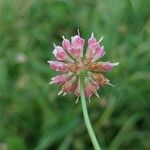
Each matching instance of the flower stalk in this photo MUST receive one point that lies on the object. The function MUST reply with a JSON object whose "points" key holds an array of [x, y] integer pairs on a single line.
{"points": [[85, 113]]}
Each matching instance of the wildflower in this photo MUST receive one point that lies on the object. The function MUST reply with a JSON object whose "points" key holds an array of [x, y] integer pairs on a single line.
{"points": [[71, 61]]}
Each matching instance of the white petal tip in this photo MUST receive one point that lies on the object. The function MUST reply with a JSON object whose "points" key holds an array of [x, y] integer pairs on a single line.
{"points": [[51, 82], [54, 45], [49, 62], [64, 94], [60, 92], [115, 64], [78, 32], [53, 52], [101, 39], [89, 100], [111, 84], [77, 100], [92, 35], [97, 95]]}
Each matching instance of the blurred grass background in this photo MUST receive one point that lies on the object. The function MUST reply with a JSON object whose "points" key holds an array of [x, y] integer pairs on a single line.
{"points": [[32, 116]]}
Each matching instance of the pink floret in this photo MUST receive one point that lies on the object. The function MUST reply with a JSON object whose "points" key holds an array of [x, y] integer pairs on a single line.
{"points": [[95, 50], [66, 44], [77, 45], [91, 41], [107, 66], [59, 79], [59, 66], [91, 88], [60, 53], [100, 53]]}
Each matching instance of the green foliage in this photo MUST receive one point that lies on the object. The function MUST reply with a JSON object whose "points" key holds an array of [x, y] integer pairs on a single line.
{"points": [[32, 116]]}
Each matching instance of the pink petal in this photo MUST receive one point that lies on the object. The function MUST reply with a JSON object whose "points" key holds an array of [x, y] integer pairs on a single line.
{"points": [[94, 48], [100, 79], [77, 45], [77, 41], [107, 66], [59, 66], [77, 91], [60, 79], [102, 66], [100, 53], [70, 85], [66, 44], [75, 52], [92, 41], [91, 88], [60, 53], [88, 92], [95, 84]]}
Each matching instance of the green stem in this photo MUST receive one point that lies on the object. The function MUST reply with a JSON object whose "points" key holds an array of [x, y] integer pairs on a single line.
{"points": [[85, 114]]}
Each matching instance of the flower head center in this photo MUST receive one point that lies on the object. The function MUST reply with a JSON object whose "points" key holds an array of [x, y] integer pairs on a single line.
{"points": [[78, 66]]}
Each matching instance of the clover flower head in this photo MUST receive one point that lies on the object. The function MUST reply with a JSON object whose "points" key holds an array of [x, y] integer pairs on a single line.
{"points": [[71, 59]]}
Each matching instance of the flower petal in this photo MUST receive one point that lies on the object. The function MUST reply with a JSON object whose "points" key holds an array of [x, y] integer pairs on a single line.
{"points": [[95, 50], [70, 85], [100, 79], [66, 44], [90, 88], [107, 66], [60, 79], [59, 66], [100, 53], [60, 53], [77, 90], [77, 45], [102, 66], [92, 40]]}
